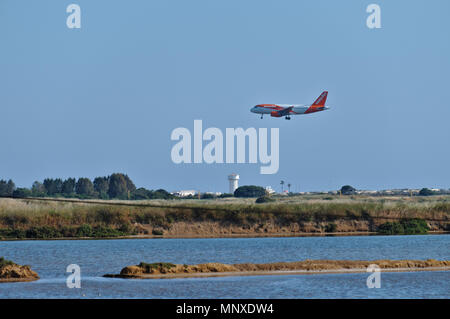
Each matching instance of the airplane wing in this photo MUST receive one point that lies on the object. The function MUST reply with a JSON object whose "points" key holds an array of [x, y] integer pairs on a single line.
{"points": [[285, 111]]}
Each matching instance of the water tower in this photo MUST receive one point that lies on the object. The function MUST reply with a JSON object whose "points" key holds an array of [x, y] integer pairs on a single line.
{"points": [[233, 179]]}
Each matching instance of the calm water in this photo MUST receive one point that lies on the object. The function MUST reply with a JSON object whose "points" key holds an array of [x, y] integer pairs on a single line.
{"points": [[97, 257]]}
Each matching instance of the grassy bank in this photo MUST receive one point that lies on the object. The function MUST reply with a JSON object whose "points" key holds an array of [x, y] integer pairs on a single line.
{"points": [[29, 218], [161, 270], [12, 272]]}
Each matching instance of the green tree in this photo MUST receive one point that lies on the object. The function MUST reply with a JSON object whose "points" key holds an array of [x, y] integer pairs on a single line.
{"points": [[38, 189], [130, 185], [208, 196], [48, 184], [348, 190], [53, 186], [11, 186], [141, 193], [101, 186], [161, 194], [120, 186], [21, 193], [426, 192], [117, 186], [249, 191], [84, 187], [68, 186], [7, 188]]}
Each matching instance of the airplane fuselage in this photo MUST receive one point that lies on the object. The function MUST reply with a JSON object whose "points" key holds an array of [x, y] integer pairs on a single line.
{"points": [[286, 110], [296, 108]]}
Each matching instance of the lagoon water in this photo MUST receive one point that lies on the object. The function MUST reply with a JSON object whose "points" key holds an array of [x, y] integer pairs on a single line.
{"points": [[98, 257]]}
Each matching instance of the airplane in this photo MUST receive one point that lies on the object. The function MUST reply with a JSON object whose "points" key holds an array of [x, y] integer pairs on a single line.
{"points": [[280, 110]]}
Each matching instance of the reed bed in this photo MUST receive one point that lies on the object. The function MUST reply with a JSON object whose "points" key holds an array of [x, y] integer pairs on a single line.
{"points": [[25, 213]]}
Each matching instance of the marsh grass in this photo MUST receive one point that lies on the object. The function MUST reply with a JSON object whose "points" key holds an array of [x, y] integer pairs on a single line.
{"points": [[139, 271], [25, 217], [155, 266], [5, 262]]}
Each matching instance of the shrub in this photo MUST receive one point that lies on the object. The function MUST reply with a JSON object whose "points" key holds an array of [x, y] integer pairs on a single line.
{"points": [[141, 193], [157, 232], [161, 194], [21, 193], [102, 231], [225, 195], [126, 228], [47, 232], [208, 196], [67, 231], [404, 227], [43, 232], [12, 233], [331, 228], [249, 191], [426, 192], [5, 262], [348, 190], [415, 226], [390, 228], [264, 199], [84, 231]]}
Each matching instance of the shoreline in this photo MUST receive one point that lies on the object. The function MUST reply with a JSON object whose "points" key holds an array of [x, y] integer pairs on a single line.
{"points": [[270, 273], [8, 280], [237, 235]]}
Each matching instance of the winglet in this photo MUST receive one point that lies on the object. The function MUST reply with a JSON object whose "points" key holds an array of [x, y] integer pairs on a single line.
{"points": [[321, 99]]}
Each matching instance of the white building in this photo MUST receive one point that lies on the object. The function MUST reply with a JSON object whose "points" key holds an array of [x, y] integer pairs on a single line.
{"points": [[269, 190], [214, 193], [185, 193], [234, 182]]}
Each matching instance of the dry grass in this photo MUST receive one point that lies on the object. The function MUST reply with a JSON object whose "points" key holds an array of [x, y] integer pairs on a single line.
{"points": [[307, 265], [23, 213]]}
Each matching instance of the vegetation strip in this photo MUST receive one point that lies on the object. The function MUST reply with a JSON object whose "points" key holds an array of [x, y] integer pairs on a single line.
{"points": [[61, 218], [12, 272], [161, 270]]}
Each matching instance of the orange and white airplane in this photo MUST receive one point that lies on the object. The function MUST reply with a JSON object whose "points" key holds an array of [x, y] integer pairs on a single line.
{"points": [[280, 110]]}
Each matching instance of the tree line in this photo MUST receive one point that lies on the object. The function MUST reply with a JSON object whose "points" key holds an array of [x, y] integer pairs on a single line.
{"points": [[115, 186]]}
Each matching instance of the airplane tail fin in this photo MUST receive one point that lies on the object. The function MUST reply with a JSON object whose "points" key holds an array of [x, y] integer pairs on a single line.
{"points": [[321, 99]]}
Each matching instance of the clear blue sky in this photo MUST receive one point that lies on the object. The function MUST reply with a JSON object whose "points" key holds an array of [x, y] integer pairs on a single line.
{"points": [[106, 97]]}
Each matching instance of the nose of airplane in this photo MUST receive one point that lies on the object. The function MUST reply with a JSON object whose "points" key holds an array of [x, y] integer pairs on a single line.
{"points": [[253, 109]]}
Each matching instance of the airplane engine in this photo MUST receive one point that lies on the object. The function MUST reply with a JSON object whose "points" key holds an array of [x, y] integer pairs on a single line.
{"points": [[275, 114]]}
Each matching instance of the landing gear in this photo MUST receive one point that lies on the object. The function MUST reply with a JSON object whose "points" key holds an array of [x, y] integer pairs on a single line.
{"points": [[287, 117], [262, 116]]}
